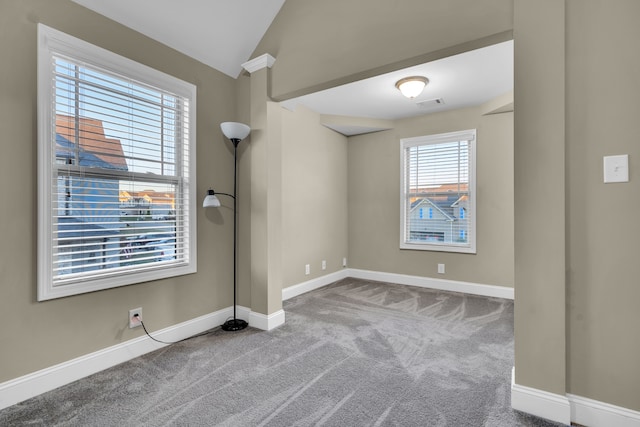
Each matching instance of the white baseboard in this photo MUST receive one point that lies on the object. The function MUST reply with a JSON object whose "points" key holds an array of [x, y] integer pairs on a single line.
{"points": [[570, 408], [242, 312], [402, 279], [310, 285], [593, 413], [432, 283], [540, 403], [266, 322], [31, 385]]}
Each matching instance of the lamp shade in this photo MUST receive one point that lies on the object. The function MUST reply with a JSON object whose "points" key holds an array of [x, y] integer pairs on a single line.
{"points": [[412, 86], [211, 201], [235, 130]]}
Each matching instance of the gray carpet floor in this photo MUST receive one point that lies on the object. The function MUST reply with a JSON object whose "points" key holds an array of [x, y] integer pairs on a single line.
{"points": [[355, 353]]}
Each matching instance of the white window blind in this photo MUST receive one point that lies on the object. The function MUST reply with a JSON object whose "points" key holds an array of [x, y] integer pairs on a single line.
{"points": [[438, 176], [117, 173]]}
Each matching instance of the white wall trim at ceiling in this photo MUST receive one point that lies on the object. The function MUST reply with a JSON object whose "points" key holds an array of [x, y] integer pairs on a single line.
{"points": [[432, 283], [262, 61], [593, 413], [540, 403]]}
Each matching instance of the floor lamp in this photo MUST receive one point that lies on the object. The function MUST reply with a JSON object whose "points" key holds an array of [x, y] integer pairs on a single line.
{"points": [[236, 132]]}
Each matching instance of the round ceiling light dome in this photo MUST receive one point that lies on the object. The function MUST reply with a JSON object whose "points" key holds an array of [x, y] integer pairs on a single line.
{"points": [[412, 86]]}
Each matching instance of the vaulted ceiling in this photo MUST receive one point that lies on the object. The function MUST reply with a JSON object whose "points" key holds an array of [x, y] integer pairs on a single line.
{"points": [[224, 34], [220, 33]]}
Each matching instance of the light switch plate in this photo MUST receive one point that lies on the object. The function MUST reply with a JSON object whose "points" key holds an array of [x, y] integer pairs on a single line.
{"points": [[616, 168]]}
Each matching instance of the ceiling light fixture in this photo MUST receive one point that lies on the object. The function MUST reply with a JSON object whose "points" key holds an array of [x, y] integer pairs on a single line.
{"points": [[412, 86]]}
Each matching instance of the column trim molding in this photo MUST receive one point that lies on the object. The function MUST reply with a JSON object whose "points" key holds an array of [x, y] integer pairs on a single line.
{"points": [[258, 63]]}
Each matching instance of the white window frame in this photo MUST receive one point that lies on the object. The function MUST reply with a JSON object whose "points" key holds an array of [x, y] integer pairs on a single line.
{"points": [[405, 205], [53, 42]]}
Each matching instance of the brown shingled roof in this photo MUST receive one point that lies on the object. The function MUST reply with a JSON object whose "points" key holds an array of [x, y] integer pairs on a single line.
{"points": [[92, 139]]}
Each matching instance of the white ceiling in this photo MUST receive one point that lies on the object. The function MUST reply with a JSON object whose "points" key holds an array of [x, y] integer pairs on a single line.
{"points": [[219, 33], [223, 34], [468, 79]]}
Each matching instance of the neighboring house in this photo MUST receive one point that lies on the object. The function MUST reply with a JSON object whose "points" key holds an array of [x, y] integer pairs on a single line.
{"points": [[92, 141], [158, 205], [88, 206], [460, 211], [440, 216]]}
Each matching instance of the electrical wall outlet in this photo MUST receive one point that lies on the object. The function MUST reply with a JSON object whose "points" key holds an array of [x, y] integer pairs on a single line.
{"points": [[135, 321], [440, 268], [344, 262], [307, 269], [324, 264]]}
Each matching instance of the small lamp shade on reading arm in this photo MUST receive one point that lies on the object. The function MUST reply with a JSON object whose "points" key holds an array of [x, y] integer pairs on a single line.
{"points": [[211, 200]]}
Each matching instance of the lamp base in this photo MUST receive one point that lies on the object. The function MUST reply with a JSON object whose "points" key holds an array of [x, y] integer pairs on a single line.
{"points": [[234, 325]]}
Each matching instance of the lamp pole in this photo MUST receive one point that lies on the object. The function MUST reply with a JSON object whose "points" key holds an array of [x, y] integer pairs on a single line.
{"points": [[235, 132], [235, 324]]}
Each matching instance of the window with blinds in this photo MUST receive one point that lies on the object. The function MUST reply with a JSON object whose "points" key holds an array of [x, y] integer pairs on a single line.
{"points": [[438, 177], [117, 171]]}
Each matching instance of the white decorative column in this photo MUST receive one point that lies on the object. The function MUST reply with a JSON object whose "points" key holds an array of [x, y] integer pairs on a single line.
{"points": [[266, 199]]}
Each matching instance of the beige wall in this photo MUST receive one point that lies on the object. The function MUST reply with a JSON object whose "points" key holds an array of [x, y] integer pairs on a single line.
{"points": [[539, 99], [37, 335], [374, 200], [314, 196], [603, 287]]}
